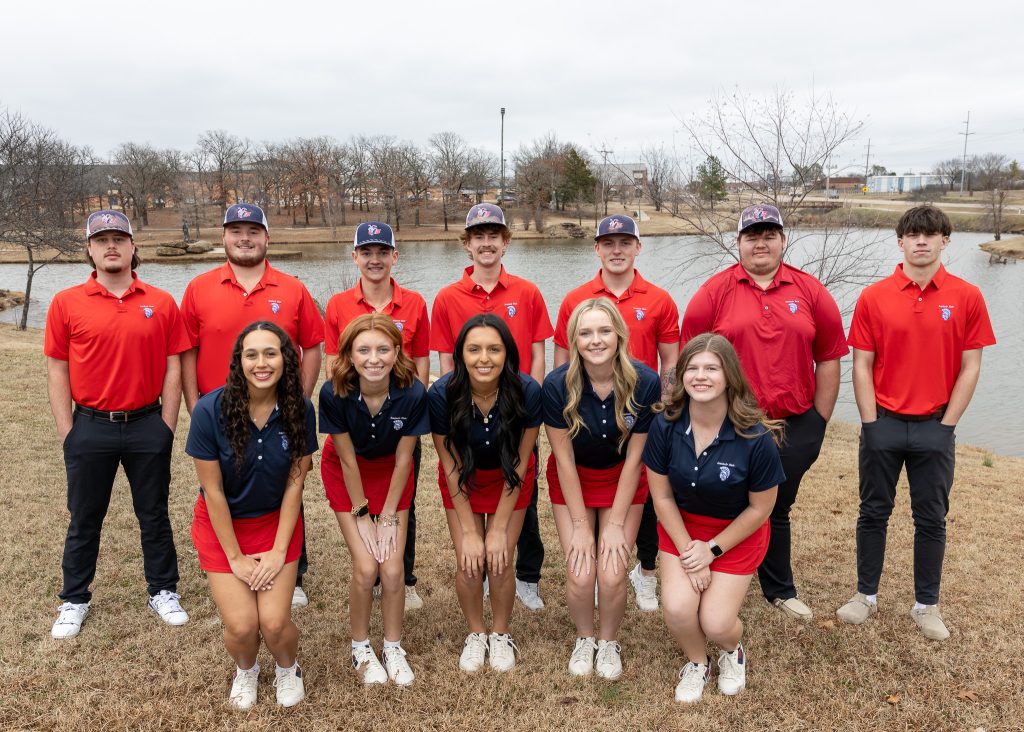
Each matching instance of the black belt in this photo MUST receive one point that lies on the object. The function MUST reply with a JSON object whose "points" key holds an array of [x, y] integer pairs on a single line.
{"points": [[119, 416], [936, 415]]}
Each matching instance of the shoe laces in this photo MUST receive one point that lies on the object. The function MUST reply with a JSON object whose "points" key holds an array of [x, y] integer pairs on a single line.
{"points": [[364, 655], [529, 590], [395, 657], [729, 664], [585, 647], [504, 643], [608, 651], [693, 676], [286, 679], [644, 584], [246, 679], [476, 646], [68, 609], [166, 601]]}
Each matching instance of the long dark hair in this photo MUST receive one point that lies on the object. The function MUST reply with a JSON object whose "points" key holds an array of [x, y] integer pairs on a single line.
{"points": [[511, 407], [234, 404]]}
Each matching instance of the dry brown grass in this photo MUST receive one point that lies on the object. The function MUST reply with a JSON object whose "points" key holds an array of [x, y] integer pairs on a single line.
{"points": [[127, 671]]}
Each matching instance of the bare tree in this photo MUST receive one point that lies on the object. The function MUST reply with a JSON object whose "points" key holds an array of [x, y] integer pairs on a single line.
{"points": [[661, 167], [949, 171], [225, 154], [991, 174], [540, 171], [142, 177], [481, 171], [390, 166], [421, 177], [449, 157], [40, 182]]}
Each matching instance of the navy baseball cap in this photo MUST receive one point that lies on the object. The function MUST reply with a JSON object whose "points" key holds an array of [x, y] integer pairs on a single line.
{"points": [[107, 220], [617, 224], [762, 213], [246, 213], [485, 213], [373, 232]]}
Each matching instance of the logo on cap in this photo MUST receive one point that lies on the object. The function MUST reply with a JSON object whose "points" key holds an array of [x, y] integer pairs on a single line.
{"points": [[243, 212], [372, 230], [106, 218], [724, 473], [481, 213], [615, 224]]}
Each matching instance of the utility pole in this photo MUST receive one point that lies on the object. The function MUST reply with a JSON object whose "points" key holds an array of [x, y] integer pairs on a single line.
{"points": [[604, 175], [867, 162], [966, 133], [501, 196]]}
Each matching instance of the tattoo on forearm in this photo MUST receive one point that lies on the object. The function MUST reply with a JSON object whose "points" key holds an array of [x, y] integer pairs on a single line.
{"points": [[668, 382]]}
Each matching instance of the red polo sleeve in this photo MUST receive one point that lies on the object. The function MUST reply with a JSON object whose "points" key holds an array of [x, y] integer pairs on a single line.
{"points": [[442, 339], [420, 345], [178, 338], [542, 329], [862, 334], [311, 325], [190, 315], [829, 338], [668, 323], [979, 328], [699, 316], [57, 339], [562, 324]]}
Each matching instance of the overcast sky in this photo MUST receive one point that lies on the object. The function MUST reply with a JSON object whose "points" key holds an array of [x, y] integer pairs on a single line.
{"points": [[595, 73]]}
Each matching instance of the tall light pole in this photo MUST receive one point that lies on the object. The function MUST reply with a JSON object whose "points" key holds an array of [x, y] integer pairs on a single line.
{"points": [[501, 196], [967, 132]]}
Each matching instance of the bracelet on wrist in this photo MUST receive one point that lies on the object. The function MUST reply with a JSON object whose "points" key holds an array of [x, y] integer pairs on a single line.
{"points": [[620, 524], [362, 509], [388, 519], [580, 521]]}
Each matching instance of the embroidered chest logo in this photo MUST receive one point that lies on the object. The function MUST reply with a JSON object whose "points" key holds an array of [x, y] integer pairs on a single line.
{"points": [[629, 419], [793, 306], [510, 308], [724, 473], [147, 310], [946, 311], [400, 324], [397, 423], [639, 313], [275, 306], [284, 441]]}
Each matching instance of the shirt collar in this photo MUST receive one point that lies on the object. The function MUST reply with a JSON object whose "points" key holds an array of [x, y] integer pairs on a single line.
{"points": [[93, 286], [638, 285], [784, 275], [903, 282], [228, 275], [726, 432], [396, 293], [469, 285]]}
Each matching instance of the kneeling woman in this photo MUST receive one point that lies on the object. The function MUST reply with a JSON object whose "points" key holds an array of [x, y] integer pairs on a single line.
{"points": [[485, 416], [597, 410], [251, 441], [375, 410], [713, 467]]}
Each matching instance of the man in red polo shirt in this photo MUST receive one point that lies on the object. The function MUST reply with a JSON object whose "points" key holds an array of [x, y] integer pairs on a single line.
{"points": [[788, 333], [917, 338], [114, 382], [486, 287], [217, 305], [374, 254], [653, 321]]}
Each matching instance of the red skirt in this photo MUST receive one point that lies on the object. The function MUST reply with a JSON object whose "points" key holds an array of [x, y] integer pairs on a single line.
{"points": [[487, 487], [376, 477], [744, 558], [254, 535], [598, 486]]}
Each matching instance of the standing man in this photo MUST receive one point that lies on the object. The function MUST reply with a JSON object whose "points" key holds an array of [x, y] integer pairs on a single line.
{"points": [[653, 321], [114, 382], [486, 287], [217, 305], [788, 333], [374, 254], [917, 338]]}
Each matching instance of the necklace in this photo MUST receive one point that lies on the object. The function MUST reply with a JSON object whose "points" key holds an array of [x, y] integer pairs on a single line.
{"points": [[484, 399]]}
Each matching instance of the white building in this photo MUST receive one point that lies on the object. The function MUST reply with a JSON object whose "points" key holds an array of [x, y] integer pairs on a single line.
{"points": [[903, 183]]}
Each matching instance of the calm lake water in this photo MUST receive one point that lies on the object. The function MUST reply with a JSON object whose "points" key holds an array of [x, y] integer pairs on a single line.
{"points": [[994, 419]]}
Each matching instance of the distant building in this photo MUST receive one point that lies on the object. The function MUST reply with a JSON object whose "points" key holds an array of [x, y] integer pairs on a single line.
{"points": [[622, 174], [903, 183]]}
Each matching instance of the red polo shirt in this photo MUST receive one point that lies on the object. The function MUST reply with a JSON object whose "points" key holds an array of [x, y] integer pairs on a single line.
{"points": [[779, 333], [407, 308], [216, 308], [116, 347], [650, 314], [919, 337], [517, 301]]}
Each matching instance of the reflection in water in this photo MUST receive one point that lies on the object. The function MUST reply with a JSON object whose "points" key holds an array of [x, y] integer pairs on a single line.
{"points": [[993, 420]]}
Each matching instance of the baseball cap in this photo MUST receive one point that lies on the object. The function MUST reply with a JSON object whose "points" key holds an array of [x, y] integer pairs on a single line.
{"points": [[617, 224], [762, 213], [485, 213], [246, 213], [107, 220], [373, 232]]}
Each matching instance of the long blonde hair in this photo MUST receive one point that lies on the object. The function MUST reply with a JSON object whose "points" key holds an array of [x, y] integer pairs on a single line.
{"points": [[743, 409], [624, 376]]}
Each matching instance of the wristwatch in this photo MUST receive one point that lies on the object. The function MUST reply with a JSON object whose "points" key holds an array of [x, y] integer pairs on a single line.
{"points": [[362, 509], [715, 549]]}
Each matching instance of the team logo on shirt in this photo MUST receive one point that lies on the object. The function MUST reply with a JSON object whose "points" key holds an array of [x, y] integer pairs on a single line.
{"points": [[947, 312], [147, 311], [793, 306], [397, 423], [639, 313], [629, 419], [724, 473], [284, 441], [510, 308], [275, 306], [400, 324]]}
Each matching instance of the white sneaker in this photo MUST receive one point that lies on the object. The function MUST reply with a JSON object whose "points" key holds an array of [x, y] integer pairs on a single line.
{"points": [[397, 667], [529, 594], [365, 663], [412, 599], [645, 588], [166, 605], [732, 671], [503, 652], [299, 598], [290, 687], [473, 653], [692, 678], [70, 620], [608, 664], [243, 688], [581, 662]]}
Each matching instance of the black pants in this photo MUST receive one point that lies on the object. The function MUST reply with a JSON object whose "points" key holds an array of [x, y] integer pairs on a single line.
{"points": [[409, 557], [800, 448], [92, 451], [928, 451], [647, 537], [530, 548]]}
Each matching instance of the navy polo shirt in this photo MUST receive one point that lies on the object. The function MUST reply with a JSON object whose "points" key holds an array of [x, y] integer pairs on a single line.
{"points": [[482, 440], [403, 414], [596, 446], [716, 482], [259, 489]]}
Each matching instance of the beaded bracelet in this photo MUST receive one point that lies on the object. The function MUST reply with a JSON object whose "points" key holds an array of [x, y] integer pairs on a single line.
{"points": [[388, 519]]}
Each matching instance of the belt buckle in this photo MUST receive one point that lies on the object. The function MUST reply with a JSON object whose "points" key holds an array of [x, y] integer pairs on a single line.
{"points": [[119, 416]]}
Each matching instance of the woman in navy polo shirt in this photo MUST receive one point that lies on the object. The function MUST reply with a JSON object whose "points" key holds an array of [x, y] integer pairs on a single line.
{"points": [[714, 469], [485, 416], [597, 410], [375, 409], [251, 441]]}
